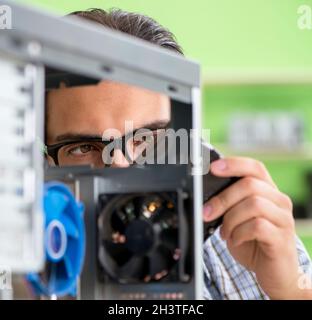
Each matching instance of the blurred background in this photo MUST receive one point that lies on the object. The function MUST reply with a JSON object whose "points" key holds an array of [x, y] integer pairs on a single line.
{"points": [[256, 80]]}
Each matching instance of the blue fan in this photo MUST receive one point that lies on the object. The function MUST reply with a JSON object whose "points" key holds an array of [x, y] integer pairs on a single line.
{"points": [[64, 243]]}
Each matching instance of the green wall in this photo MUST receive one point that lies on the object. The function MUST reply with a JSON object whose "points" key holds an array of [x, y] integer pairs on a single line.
{"points": [[307, 241], [221, 34], [242, 36], [235, 36], [222, 101]]}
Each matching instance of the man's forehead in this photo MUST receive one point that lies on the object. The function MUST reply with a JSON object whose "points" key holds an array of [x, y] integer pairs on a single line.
{"points": [[116, 102], [106, 89], [92, 109], [129, 127]]}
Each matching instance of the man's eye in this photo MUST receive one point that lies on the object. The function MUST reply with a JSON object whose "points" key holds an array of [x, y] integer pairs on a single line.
{"points": [[137, 143], [144, 139], [82, 149]]}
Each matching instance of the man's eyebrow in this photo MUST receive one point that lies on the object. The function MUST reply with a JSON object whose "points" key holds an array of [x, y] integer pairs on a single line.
{"points": [[161, 124], [79, 136], [76, 136]]}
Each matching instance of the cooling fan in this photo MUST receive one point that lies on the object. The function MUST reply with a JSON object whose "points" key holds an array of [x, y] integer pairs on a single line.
{"points": [[64, 243], [138, 237]]}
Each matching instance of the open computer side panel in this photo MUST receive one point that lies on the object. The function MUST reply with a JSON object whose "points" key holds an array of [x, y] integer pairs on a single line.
{"points": [[26, 54]]}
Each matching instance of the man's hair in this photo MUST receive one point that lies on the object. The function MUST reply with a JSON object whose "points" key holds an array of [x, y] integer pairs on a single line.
{"points": [[135, 24]]}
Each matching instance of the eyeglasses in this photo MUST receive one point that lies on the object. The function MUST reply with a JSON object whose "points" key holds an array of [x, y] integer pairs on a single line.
{"points": [[90, 151]]}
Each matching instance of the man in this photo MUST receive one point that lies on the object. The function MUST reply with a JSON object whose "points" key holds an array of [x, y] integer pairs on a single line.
{"points": [[255, 254]]}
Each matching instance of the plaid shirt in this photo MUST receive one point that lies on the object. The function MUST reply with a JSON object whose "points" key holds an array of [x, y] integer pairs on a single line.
{"points": [[227, 279]]}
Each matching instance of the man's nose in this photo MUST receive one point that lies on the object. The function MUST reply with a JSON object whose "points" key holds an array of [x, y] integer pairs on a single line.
{"points": [[119, 160]]}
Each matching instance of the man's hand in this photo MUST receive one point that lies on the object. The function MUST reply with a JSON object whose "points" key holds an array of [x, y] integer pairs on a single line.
{"points": [[258, 225]]}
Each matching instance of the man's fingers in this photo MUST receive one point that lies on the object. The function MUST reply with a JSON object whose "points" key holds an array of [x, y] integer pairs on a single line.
{"points": [[257, 229], [241, 167], [240, 190], [255, 208]]}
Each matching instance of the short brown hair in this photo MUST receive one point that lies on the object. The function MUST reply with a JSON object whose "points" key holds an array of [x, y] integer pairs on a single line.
{"points": [[135, 24]]}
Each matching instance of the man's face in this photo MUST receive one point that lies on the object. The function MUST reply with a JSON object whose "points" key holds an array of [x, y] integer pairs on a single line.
{"points": [[88, 111]]}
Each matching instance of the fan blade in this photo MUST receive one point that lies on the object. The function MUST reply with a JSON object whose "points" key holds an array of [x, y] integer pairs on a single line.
{"points": [[55, 204], [70, 227], [159, 261], [52, 278], [169, 239], [68, 266], [162, 215], [138, 205], [118, 221], [118, 251], [135, 268]]}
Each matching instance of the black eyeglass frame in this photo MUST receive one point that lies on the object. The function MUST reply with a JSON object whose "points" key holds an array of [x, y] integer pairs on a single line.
{"points": [[119, 143]]}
